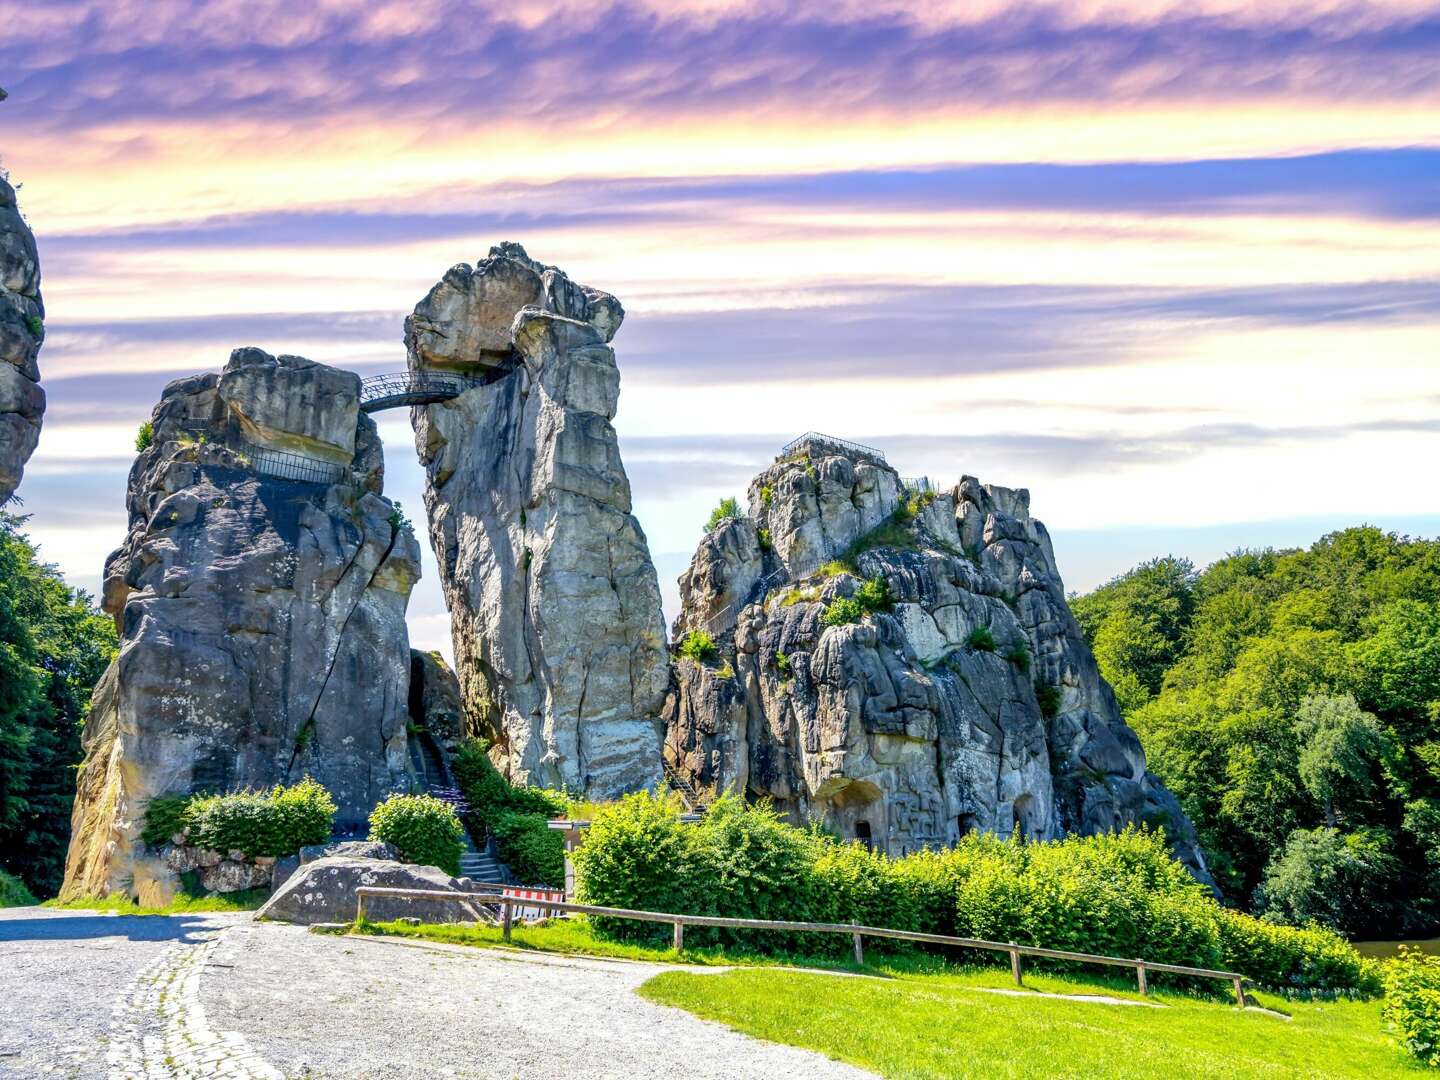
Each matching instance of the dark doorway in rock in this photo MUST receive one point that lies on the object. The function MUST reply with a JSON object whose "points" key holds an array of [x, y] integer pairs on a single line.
{"points": [[967, 824], [862, 834], [1021, 826]]}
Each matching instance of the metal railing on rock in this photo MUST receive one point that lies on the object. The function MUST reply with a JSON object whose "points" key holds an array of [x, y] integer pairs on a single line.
{"points": [[285, 465], [857, 933], [424, 387], [829, 442], [917, 484]]}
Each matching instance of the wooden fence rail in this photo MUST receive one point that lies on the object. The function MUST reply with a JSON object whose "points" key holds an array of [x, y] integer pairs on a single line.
{"points": [[856, 932]]}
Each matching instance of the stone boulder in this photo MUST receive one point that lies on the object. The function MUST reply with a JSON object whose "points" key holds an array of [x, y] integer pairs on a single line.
{"points": [[972, 704], [349, 849], [22, 330], [323, 891], [262, 622], [554, 604]]}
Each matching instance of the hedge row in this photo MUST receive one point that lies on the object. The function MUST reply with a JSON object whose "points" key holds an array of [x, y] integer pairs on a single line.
{"points": [[1119, 894], [515, 816], [276, 822], [1412, 1003]]}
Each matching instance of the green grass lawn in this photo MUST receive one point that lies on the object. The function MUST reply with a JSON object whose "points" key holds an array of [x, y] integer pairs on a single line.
{"points": [[943, 1026]]}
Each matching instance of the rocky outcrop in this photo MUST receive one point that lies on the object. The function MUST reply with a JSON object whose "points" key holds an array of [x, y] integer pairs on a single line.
{"points": [[261, 618], [965, 699], [435, 702], [554, 604], [323, 891], [22, 329]]}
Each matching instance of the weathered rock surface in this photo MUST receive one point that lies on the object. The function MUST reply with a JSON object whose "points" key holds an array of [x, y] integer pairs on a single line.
{"points": [[349, 849], [435, 702], [554, 605], [323, 891], [908, 727], [22, 329], [262, 620]]}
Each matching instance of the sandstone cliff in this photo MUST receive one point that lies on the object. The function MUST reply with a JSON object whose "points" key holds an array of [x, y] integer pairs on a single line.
{"points": [[966, 701], [554, 605], [260, 599], [22, 329]]}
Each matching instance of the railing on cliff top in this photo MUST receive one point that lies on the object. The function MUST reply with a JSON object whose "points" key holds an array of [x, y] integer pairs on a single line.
{"points": [[400, 388], [828, 442], [284, 465]]}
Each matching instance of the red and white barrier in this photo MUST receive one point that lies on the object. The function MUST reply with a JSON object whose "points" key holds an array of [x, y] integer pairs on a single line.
{"points": [[533, 913]]}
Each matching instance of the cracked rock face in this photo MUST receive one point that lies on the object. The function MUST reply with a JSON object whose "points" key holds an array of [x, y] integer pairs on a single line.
{"points": [[22, 329], [909, 727], [554, 605], [262, 620]]}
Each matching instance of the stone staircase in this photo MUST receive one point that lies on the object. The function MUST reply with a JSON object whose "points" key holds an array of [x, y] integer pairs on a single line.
{"points": [[428, 764]]}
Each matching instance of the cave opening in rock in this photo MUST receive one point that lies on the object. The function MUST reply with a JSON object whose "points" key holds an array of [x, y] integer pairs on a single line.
{"points": [[862, 834]]}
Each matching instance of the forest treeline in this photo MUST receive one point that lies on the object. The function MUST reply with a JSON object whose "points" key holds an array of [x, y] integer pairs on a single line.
{"points": [[1291, 700], [54, 646]]}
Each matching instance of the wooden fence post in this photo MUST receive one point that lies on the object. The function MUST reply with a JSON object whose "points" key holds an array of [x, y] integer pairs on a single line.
{"points": [[859, 948], [679, 935], [507, 918], [1015, 964], [1140, 976], [1240, 992]]}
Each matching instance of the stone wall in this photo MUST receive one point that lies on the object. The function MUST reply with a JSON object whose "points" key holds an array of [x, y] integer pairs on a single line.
{"points": [[554, 604], [262, 620]]}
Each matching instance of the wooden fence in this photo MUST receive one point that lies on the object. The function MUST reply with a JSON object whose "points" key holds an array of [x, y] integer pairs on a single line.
{"points": [[856, 932]]}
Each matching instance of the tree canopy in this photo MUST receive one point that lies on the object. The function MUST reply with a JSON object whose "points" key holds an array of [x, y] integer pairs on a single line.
{"points": [[54, 645], [1291, 700]]}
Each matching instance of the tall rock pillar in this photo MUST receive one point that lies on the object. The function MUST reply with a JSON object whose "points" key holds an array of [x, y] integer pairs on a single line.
{"points": [[22, 328], [554, 604]]}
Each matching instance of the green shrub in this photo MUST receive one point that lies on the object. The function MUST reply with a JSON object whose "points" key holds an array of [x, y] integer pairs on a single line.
{"points": [[1049, 699], [767, 495], [534, 852], [726, 509], [874, 595], [699, 646], [766, 543], [1019, 655], [13, 892], [144, 436], [1288, 958], [782, 665], [981, 639], [892, 533], [1412, 1003], [276, 822], [422, 828], [35, 324], [833, 568], [841, 611]]}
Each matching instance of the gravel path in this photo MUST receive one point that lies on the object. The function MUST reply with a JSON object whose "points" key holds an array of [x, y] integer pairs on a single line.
{"points": [[70, 983], [375, 1009], [189, 997]]}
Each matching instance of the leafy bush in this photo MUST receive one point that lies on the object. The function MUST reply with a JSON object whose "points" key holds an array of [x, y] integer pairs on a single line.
{"points": [[763, 538], [13, 892], [35, 324], [767, 495], [276, 822], [699, 646], [842, 611], [981, 639], [422, 828], [1412, 1003], [1116, 894], [874, 595], [1019, 655], [144, 436], [1049, 698], [534, 852], [728, 508], [1291, 958], [782, 664]]}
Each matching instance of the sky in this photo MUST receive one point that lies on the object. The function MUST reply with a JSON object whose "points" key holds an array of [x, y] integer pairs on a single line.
{"points": [[1174, 267]]}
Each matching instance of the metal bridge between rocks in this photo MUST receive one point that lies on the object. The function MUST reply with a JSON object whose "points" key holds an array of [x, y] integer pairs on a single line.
{"points": [[403, 388]]}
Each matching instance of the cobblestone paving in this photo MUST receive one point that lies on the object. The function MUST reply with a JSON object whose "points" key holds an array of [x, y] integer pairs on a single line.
{"points": [[159, 1030]]}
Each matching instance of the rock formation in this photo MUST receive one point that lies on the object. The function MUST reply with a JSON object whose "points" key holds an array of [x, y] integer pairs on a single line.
{"points": [[22, 329], [260, 597], [972, 703], [554, 605]]}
